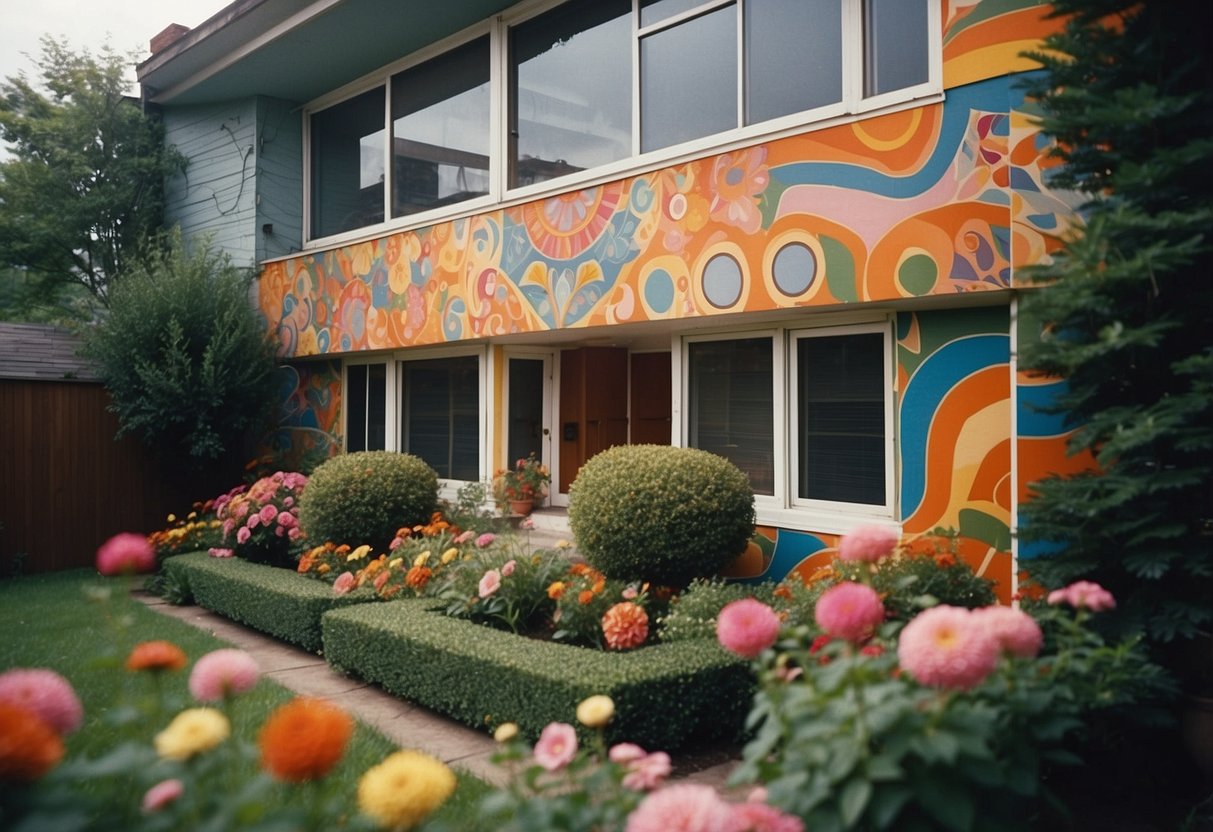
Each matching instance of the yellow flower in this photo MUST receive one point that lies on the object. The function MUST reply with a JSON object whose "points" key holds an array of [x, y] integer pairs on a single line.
{"points": [[450, 554], [393, 563], [323, 568], [404, 789], [422, 558], [359, 553], [563, 544], [191, 732], [172, 518], [192, 515], [505, 732], [595, 711]]}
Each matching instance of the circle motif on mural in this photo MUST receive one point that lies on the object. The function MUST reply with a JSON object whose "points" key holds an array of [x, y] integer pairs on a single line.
{"points": [[917, 274], [659, 291], [794, 269], [722, 281]]}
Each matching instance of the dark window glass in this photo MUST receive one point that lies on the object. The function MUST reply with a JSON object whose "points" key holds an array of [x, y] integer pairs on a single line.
{"points": [[355, 407], [347, 165], [441, 415], [366, 407], [896, 45], [655, 11], [793, 56]]}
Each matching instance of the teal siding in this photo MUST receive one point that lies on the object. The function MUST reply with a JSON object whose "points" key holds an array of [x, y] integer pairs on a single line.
{"points": [[279, 178]]}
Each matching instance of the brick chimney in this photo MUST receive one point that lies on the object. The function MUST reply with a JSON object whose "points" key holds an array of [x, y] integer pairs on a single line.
{"points": [[168, 36]]}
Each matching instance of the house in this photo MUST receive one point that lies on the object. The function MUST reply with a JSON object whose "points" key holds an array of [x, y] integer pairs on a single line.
{"points": [[791, 233]]}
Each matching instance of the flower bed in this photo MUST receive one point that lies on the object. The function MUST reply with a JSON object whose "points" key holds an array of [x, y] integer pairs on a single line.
{"points": [[665, 695], [275, 601]]}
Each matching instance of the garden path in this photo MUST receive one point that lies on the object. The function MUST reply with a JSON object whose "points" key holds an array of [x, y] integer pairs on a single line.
{"points": [[409, 725]]}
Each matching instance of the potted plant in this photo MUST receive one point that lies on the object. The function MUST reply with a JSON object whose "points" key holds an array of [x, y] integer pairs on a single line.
{"points": [[522, 486]]}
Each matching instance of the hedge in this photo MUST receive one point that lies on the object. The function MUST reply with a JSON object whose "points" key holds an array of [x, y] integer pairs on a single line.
{"points": [[665, 695], [275, 601]]}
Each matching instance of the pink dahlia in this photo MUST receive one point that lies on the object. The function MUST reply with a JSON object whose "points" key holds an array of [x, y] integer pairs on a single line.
{"points": [[947, 647], [1084, 594], [685, 807], [759, 817], [625, 625], [162, 794], [1015, 631], [344, 583], [223, 673], [557, 746], [868, 544], [268, 513], [124, 554], [44, 692], [849, 611], [489, 583], [747, 627]]}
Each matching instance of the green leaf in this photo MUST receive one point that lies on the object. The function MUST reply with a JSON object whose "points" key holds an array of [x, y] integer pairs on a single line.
{"points": [[853, 799]]}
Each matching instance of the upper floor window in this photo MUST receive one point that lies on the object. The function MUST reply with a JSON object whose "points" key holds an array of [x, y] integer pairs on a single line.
{"points": [[587, 85]]}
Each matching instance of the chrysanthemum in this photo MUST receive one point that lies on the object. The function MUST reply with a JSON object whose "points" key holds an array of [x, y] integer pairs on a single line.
{"points": [[868, 544], [747, 627], [849, 611], [156, 655], [625, 625], [223, 673], [124, 554], [1015, 631], [29, 747], [191, 732], [685, 807], [46, 693], [404, 789], [946, 647], [303, 739]]}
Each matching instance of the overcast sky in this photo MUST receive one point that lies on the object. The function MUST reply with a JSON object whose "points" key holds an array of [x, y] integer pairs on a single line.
{"points": [[128, 25]]}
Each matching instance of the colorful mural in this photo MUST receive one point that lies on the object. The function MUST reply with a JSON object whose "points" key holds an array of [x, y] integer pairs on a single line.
{"points": [[309, 412]]}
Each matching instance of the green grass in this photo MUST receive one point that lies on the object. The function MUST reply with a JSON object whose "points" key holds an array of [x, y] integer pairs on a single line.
{"points": [[63, 621]]}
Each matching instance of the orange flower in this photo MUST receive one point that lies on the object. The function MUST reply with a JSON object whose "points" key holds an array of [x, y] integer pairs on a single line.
{"points": [[625, 625], [585, 597], [783, 591], [29, 748], [303, 739], [343, 549], [156, 655], [945, 559], [305, 564], [418, 576], [555, 590]]}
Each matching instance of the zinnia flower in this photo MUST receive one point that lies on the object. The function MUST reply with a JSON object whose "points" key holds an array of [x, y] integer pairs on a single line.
{"points": [[508, 567], [191, 732], [303, 739], [490, 583], [485, 539], [242, 536], [220, 552], [344, 583], [1082, 594], [223, 673], [29, 747], [452, 553], [557, 746], [625, 625], [404, 789], [162, 794], [595, 711], [1015, 631], [747, 627], [505, 732], [125, 554], [945, 647], [759, 817], [868, 544], [555, 590], [156, 655], [645, 771], [849, 611], [418, 576], [46, 694], [685, 807]]}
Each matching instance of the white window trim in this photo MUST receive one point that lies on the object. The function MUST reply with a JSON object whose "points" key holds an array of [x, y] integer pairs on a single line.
{"points": [[389, 441], [852, 107], [781, 510]]}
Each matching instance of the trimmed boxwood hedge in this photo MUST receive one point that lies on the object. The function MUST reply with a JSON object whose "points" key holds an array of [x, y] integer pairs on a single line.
{"points": [[275, 601], [666, 695]]}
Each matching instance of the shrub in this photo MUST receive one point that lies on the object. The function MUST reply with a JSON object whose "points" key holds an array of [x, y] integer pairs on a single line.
{"points": [[660, 514], [693, 613], [365, 497]]}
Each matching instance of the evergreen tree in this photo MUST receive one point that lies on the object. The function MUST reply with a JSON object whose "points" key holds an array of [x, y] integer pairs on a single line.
{"points": [[1126, 310]]}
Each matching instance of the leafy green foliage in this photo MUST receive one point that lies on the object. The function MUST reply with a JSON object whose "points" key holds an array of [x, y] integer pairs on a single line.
{"points": [[693, 611], [83, 190], [1126, 312], [660, 514], [184, 356], [364, 497]]}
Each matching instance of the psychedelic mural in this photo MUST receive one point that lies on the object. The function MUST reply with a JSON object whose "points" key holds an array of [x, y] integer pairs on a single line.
{"points": [[309, 411]]}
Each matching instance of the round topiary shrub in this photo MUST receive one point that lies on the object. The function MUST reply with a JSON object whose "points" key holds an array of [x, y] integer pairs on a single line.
{"points": [[660, 514], [365, 497]]}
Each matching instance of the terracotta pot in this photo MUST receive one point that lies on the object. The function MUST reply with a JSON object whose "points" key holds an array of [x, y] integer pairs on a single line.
{"points": [[523, 507]]}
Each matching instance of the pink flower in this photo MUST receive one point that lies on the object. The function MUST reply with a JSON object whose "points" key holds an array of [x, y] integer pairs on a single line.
{"points": [[294, 533], [1015, 631], [759, 817], [945, 647], [286, 519], [162, 794], [490, 583], [240, 510], [557, 746], [124, 554], [396, 543], [629, 592], [344, 583], [223, 673], [1084, 594], [268, 513], [464, 537], [849, 611], [868, 544], [626, 752], [218, 552], [243, 535], [229, 525], [485, 539], [254, 520], [647, 773], [527, 524], [747, 627], [45, 693], [287, 502], [508, 568], [685, 807]]}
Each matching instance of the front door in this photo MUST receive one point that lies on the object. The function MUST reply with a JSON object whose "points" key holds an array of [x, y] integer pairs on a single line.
{"points": [[528, 408], [593, 406]]}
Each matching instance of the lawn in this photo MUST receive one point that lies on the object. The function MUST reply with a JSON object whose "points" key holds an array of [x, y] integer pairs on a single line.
{"points": [[83, 626]]}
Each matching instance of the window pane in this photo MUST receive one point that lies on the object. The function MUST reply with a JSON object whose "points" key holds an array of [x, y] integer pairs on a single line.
{"points": [[441, 408], [440, 130], [572, 89], [732, 407], [653, 11], [841, 418], [376, 407], [688, 80], [896, 41], [355, 408], [347, 164], [783, 41]]}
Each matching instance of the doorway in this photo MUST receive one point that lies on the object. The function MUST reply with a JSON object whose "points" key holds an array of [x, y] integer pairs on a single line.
{"points": [[529, 408]]}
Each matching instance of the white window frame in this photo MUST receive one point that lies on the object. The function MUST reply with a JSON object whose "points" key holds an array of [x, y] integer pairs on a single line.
{"points": [[500, 194], [389, 441]]}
